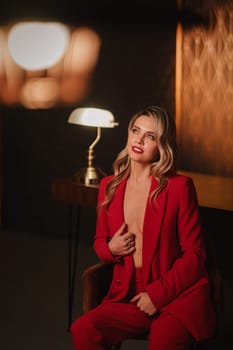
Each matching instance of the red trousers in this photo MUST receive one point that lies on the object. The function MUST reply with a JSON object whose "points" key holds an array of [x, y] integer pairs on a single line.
{"points": [[112, 322]]}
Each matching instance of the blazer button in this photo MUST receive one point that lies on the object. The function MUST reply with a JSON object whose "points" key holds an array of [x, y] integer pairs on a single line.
{"points": [[118, 282]]}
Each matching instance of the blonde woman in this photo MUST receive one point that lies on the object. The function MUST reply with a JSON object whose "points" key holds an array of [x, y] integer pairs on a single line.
{"points": [[148, 226]]}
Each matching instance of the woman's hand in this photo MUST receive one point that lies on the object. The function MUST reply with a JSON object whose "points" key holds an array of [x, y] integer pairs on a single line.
{"points": [[123, 242], [144, 303]]}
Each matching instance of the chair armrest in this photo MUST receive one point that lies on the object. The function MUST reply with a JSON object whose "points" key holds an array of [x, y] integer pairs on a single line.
{"points": [[96, 282]]}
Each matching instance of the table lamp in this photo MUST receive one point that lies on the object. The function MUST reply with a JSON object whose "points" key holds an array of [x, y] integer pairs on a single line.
{"points": [[95, 117]]}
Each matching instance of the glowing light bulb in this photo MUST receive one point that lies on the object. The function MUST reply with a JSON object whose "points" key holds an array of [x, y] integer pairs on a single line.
{"points": [[37, 45]]}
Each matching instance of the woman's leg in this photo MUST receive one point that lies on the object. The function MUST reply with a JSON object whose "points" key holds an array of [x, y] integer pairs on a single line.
{"points": [[168, 333], [108, 324]]}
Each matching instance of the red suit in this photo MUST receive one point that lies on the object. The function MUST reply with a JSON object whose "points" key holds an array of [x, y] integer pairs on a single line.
{"points": [[174, 272]]}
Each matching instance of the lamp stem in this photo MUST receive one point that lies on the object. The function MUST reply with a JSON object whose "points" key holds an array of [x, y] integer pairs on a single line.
{"points": [[90, 176], [91, 147]]}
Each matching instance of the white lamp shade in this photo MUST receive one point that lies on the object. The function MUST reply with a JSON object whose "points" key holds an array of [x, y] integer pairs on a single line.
{"points": [[92, 117]]}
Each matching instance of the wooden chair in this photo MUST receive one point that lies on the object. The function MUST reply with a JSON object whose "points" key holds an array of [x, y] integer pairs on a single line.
{"points": [[96, 282], [97, 278]]}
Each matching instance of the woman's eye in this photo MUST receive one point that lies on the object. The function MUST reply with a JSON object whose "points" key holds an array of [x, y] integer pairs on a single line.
{"points": [[134, 130], [151, 137]]}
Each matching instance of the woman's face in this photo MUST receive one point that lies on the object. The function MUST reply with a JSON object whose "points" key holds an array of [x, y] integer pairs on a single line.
{"points": [[141, 144]]}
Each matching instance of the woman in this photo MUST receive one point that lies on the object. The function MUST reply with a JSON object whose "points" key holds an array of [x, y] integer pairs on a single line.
{"points": [[148, 225]]}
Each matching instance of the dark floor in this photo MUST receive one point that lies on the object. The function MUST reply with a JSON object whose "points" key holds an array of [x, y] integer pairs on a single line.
{"points": [[34, 293]]}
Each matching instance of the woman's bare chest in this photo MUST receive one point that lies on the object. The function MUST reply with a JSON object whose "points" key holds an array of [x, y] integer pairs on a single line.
{"points": [[135, 201]]}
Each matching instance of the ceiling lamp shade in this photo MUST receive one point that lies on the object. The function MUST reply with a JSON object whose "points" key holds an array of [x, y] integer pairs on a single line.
{"points": [[95, 117], [41, 84], [37, 45]]}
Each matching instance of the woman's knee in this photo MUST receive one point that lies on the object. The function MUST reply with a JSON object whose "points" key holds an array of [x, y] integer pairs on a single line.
{"points": [[85, 335], [168, 333], [82, 322], [81, 325]]}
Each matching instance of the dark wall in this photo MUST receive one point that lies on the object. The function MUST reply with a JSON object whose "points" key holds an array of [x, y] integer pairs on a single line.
{"points": [[136, 68]]}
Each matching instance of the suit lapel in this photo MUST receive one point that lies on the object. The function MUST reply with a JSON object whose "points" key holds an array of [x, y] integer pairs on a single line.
{"points": [[116, 211], [153, 221]]}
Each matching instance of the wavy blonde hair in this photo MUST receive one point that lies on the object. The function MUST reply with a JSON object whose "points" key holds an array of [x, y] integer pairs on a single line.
{"points": [[162, 167]]}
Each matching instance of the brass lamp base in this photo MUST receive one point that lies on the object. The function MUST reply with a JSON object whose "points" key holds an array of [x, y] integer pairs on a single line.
{"points": [[89, 176]]}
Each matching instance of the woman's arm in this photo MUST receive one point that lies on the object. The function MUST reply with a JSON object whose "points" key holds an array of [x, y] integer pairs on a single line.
{"points": [[189, 266]]}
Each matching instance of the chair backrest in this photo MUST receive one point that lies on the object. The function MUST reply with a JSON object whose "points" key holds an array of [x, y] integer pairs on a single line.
{"points": [[215, 278], [96, 282]]}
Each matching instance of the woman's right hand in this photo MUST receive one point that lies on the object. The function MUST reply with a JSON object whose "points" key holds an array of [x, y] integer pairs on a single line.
{"points": [[123, 242]]}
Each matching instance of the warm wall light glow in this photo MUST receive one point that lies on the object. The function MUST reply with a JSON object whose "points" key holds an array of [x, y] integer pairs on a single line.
{"points": [[40, 93], [74, 88], [37, 45], [178, 75], [66, 82], [205, 92], [85, 44], [2, 41]]}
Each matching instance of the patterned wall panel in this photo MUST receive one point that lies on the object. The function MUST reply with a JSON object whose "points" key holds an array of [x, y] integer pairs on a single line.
{"points": [[204, 95]]}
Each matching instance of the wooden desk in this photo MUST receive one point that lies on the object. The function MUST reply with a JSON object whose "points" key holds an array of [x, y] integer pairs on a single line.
{"points": [[64, 190], [78, 196]]}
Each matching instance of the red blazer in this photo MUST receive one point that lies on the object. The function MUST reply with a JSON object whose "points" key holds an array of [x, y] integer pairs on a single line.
{"points": [[174, 272]]}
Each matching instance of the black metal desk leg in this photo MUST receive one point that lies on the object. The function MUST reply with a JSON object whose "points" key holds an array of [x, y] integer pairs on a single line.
{"points": [[72, 258]]}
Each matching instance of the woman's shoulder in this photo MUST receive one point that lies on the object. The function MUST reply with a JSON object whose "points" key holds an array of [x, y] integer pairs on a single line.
{"points": [[105, 180], [182, 186], [180, 180]]}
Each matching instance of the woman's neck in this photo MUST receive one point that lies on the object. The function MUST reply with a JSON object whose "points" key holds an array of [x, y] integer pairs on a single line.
{"points": [[139, 174]]}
